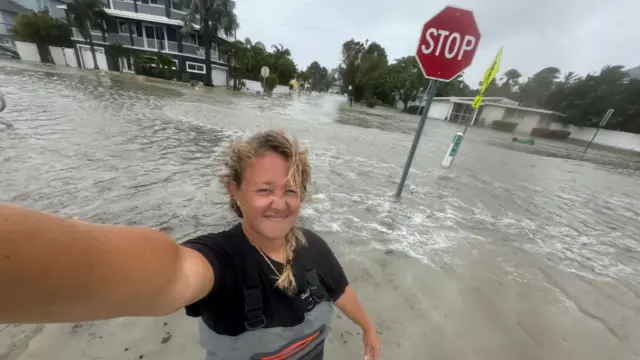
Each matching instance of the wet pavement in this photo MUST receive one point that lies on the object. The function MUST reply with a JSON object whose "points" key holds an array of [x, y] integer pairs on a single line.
{"points": [[110, 149]]}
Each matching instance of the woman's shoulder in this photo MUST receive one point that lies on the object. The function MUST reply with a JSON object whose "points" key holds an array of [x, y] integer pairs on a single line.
{"points": [[315, 242], [222, 240]]}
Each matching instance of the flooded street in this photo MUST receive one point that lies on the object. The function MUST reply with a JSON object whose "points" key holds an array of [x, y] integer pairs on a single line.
{"points": [[507, 255]]}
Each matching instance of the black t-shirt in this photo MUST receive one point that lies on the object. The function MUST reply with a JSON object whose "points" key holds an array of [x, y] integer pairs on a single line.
{"points": [[223, 308]]}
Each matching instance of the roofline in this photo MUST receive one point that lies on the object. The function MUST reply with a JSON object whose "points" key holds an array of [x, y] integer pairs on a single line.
{"points": [[541, 111]]}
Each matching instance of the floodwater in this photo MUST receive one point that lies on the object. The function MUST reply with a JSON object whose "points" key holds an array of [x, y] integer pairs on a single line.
{"points": [[110, 149]]}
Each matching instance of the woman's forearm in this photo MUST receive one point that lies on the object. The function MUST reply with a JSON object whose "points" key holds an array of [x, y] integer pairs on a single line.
{"points": [[350, 306], [58, 270]]}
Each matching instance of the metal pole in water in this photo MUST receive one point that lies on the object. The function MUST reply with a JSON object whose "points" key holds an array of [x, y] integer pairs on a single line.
{"points": [[452, 151], [3, 103], [604, 121], [429, 95], [425, 96], [470, 122]]}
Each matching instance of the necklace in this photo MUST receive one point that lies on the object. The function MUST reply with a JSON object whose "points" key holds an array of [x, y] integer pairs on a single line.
{"points": [[267, 260]]}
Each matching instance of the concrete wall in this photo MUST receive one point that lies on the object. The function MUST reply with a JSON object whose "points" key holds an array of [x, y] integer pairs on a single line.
{"points": [[27, 51], [526, 120], [618, 139], [529, 121], [57, 54], [253, 86], [439, 110], [70, 57], [491, 114], [63, 56]]}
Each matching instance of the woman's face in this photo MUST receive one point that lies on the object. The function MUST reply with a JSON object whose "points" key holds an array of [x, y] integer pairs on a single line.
{"points": [[268, 202]]}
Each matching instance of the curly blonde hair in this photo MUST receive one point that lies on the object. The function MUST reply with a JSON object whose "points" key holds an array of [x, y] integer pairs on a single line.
{"points": [[242, 154]]}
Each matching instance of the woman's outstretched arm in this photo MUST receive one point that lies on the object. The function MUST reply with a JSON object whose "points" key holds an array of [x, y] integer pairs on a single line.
{"points": [[58, 270]]}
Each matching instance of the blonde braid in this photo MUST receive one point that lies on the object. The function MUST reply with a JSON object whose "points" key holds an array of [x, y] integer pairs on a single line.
{"points": [[287, 282]]}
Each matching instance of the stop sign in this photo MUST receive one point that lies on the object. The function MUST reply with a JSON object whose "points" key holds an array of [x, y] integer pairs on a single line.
{"points": [[448, 43]]}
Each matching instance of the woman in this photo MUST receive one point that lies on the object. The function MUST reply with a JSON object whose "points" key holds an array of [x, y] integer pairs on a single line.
{"points": [[263, 289]]}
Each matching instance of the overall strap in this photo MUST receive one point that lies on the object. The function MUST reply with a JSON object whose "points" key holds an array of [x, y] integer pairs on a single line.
{"points": [[318, 292], [253, 315]]}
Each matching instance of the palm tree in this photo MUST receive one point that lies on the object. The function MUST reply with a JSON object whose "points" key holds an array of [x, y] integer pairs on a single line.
{"points": [[259, 58], [239, 62], [570, 77], [87, 13], [211, 16], [280, 51]]}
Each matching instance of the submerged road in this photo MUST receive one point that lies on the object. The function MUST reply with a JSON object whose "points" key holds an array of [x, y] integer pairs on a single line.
{"points": [[506, 255]]}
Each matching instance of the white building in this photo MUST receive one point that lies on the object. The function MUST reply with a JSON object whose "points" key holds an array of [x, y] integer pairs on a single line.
{"points": [[459, 110]]}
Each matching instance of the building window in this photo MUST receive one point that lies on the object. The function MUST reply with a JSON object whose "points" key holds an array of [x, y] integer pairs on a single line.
{"points": [[214, 51], [177, 5], [45, 7], [172, 33], [196, 68], [190, 39], [97, 27], [123, 27]]}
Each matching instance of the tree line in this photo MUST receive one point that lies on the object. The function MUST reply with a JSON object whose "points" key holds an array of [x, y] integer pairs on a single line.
{"points": [[365, 70], [248, 57], [583, 99]]}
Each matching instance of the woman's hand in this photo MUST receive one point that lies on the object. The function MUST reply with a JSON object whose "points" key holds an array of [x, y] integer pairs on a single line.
{"points": [[371, 343]]}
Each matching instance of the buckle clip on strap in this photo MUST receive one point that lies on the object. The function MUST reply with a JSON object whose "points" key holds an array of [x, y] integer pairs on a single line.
{"points": [[254, 319], [317, 291]]}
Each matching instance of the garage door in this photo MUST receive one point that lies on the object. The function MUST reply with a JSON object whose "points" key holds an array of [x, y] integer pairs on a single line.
{"points": [[87, 59], [439, 110], [218, 76]]}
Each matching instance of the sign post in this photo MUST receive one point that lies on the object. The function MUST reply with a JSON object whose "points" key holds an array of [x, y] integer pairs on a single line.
{"points": [[602, 124], [264, 72], [447, 45], [452, 151], [489, 75]]}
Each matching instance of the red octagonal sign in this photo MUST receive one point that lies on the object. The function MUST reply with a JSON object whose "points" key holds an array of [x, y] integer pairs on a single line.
{"points": [[448, 43]]}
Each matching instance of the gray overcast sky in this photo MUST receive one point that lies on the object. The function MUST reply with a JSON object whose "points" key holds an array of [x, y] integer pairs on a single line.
{"points": [[578, 35]]}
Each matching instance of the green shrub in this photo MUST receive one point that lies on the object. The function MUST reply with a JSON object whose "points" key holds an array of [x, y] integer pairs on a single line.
{"points": [[505, 126], [550, 133], [165, 61], [161, 67], [271, 83]]}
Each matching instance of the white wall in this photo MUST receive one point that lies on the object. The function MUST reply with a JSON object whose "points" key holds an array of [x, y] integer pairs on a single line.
{"points": [[57, 54], [530, 121], [439, 109], [618, 139], [63, 56], [254, 86], [27, 51], [491, 114], [70, 57]]}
